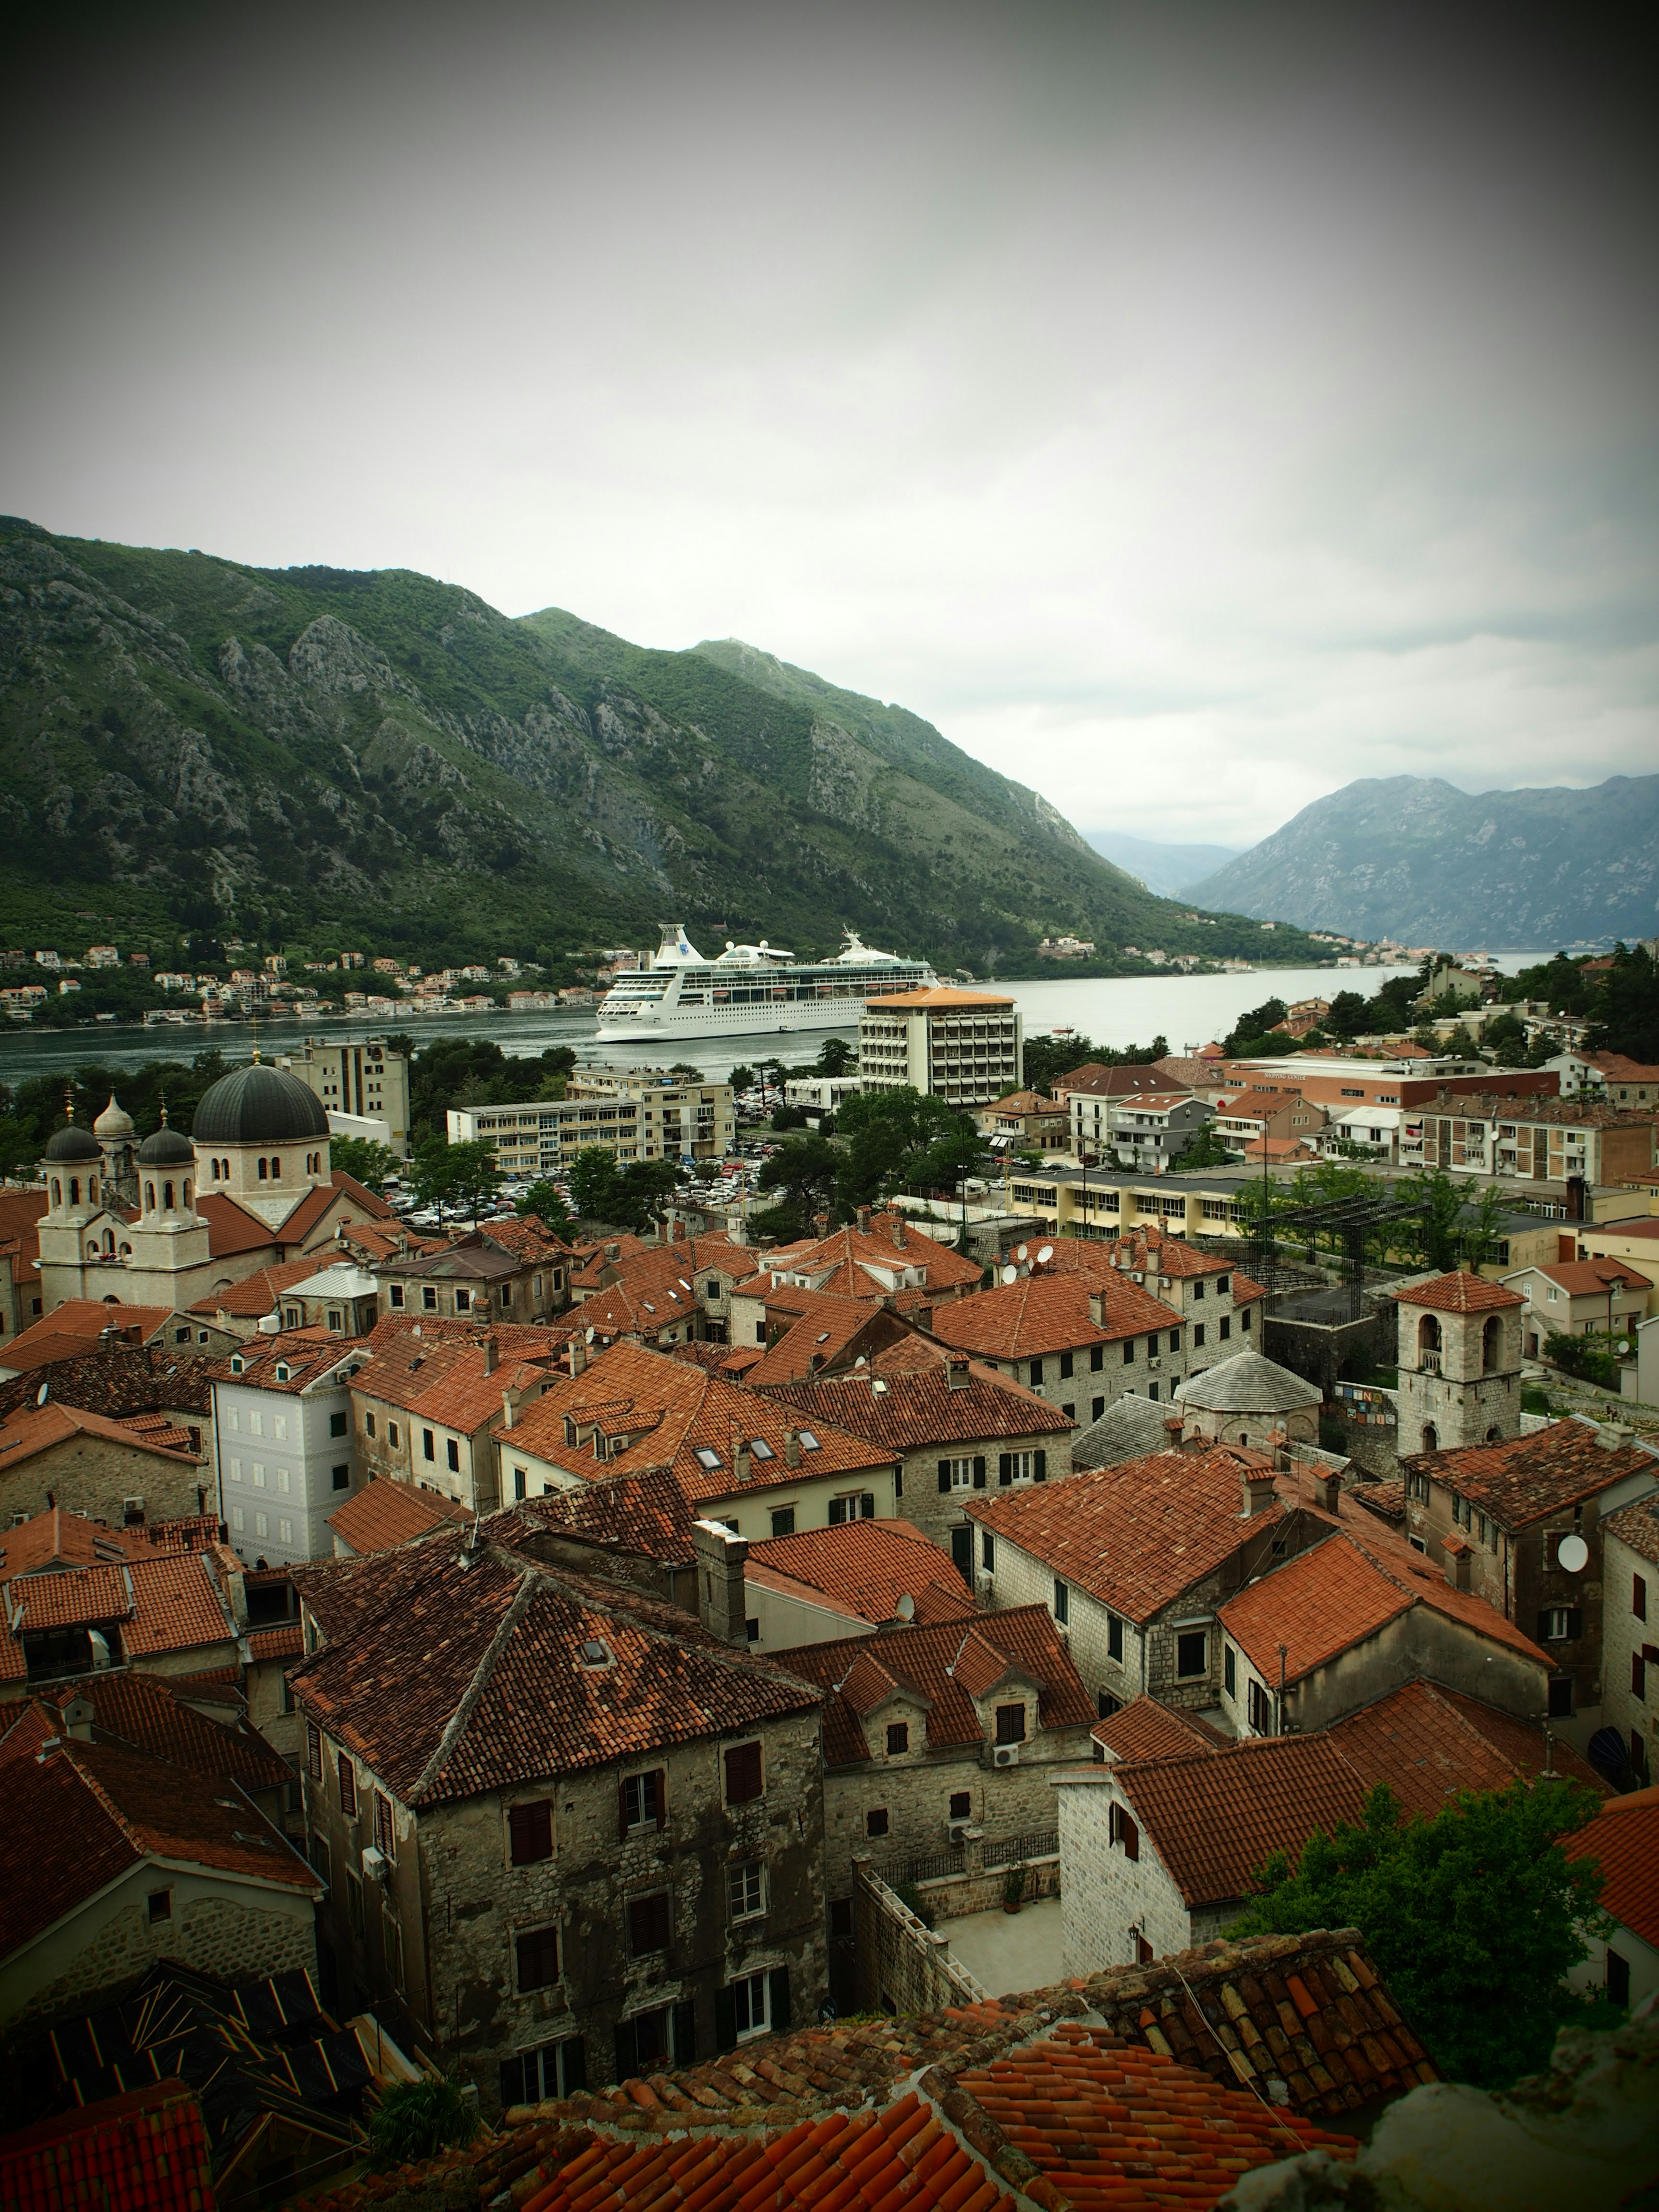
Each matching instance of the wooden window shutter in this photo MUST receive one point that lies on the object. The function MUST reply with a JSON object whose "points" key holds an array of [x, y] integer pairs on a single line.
{"points": [[572, 2065], [944, 1474], [1574, 1624], [1006, 1467], [314, 1750], [978, 1472], [627, 2053], [725, 2020], [660, 1777], [348, 1786], [1131, 1837], [1543, 1625], [1041, 1466], [777, 1992], [529, 1830], [684, 2024], [621, 1810]]}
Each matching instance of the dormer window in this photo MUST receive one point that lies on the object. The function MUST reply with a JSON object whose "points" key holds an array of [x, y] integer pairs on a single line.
{"points": [[759, 1449], [282, 1373], [808, 1440], [236, 1364], [594, 1653], [707, 1458]]}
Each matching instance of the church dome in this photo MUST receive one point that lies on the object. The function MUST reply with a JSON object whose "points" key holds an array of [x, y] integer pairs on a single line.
{"points": [[259, 1105], [115, 1123], [168, 1148], [74, 1143]]}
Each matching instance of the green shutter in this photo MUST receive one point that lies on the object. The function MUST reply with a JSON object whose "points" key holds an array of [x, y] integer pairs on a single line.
{"points": [[1006, 1468], [944, 1474], [978, 1472], [1043, 1467], [778, 1994], [725, 2020]]}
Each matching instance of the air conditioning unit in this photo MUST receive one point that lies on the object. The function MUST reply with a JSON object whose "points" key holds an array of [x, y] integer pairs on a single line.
{"points": [[957, 1830], [1005, 1754], [376, 1865]]}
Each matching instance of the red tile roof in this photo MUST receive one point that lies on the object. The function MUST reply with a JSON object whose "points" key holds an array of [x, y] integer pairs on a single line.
{"points": [[142, 1712], [1520, 1481], [945, 1667], [1584, 1278], [1137, 1534], [1214, 1817], [1637, 1526], [178, 1602], [865, 1567], [457, 1383], [257, 1294], [76, 1599], [648, 1513], [385, 1514], [116, 1381], [448, 1679], [820, 1331], [145, 2151], [1428, 1742], [1459, 1292], [1144, 1729], [1043, 1313], [27, 1431], [1625, 1838], [59, 1538], [912, 1409], [75, 1325], [1342, 1592], [231, 1228], [315, 1203], [671, 1410]]}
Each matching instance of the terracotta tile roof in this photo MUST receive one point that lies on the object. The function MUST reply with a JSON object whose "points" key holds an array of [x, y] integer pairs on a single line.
{"points": [[1579, 1278], [30, 1430], [231, 1228], [116, 1383], [89, 1811], [531, 1240], [821, 1334], [178, 1602], [646, 1512], [1104, 2122], [1579, 1113], [1459, 1292], [1145, 1250], [1387, 1500], [1134, 1535], [1215, 1816], [1327, 1599], [1021, 1101], [1044, 1313], [59, 1538], [943, 994], [866, 1567], [1637, 1526], [77, 1599], [1428, 1742], [1625, 1838], [454, 1679], [1099, 1082], [945, 1667], [76, 1325], [257, 1294], [312, 1208], [142, 1712], [1519, 1482], [910, 1410], [514, 1340], [675, 1410], [457, 1384], [653, 1292], [877, 1262], [385, 1514], [296, 1361], [1144, 1729], [284, 1642], [1307, 2011], [592, 1260], [145, 2151]]}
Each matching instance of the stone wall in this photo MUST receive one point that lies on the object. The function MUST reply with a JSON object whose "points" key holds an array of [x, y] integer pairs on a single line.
{"points": [[95, 1476], [904, 1967], [1104, 1894]]}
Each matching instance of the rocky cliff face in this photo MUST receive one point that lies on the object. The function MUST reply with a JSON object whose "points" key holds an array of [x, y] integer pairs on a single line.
{"points": [[1413, 858]]}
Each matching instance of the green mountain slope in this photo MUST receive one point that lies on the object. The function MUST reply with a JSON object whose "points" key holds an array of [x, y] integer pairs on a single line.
{"points": [[319, 758]]}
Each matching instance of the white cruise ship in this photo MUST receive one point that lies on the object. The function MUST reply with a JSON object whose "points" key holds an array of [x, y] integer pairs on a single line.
{"points": [[751, 989]]}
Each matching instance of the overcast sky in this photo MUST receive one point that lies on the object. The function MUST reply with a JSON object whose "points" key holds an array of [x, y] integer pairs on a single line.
{"points": [[1188, 408]]}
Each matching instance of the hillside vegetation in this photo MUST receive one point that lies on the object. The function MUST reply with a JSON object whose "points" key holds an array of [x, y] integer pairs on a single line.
{"points": [[380, 761]]}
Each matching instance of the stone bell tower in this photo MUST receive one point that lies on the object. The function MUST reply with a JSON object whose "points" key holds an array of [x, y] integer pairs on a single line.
{"points": [[1459, 1364]]}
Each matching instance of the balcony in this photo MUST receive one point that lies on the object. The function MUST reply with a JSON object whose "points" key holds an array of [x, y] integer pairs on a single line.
{"points": [[1428, 1363]]}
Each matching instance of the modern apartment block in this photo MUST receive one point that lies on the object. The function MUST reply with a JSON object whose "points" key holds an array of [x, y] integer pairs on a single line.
{"points": [[638, 1113], [364, 1087], [965, 1047]]}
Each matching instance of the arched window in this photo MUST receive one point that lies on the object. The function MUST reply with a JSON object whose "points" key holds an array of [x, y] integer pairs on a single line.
{"points": [[276, 1169], [215, 1170], [126, 1251], [109, 1242], [92, 1190], [75, 1190], [1491, 1344], [57, 1192], [1493, 1437], [1428, 1335], [150, 1198], [264, 1170], [92, 1248], [1430, 1437], [166, 1196]]}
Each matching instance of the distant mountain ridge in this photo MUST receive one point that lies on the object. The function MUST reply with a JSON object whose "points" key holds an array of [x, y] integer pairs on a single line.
{"points": [[1413, 858], [372, 757], [1165, 869]]}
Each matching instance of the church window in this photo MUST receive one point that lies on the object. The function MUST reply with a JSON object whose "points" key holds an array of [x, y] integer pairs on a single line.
{"points": [[215, 1170], [186, 1197], [92, 1189], [75, 1190], [150, 1197], [264, 1170], [276, 1169], [166, 1201], [57, 1192]]}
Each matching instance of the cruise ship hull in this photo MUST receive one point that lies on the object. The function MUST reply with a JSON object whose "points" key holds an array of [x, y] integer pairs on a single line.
{"points": [[734, 1021], [750, 991]]}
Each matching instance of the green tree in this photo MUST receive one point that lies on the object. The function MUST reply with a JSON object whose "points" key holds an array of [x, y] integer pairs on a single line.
{"points": [[1589, 1357], [633, 1196], [1483, 1226], [894, 1138], [1249, 1030], [1623, 1011], [1350, 1016], [455, 1175], [742, 1079], [546, 1201], [836, 1057], [803, 1175], [414, 2120], [1431, 1235], [687, 1073], [365, 1160], [1205, 1150], [593, 1191], [1471, 1917]]}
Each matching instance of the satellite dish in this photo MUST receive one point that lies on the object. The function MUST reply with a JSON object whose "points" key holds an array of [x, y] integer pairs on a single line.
{"points": [[40, 1395], [1573, 1554], [1009, 1273], [1022, 1251], [906, 1607], [1045, 1256]]}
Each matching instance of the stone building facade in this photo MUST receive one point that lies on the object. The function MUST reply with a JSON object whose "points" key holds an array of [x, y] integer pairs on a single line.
{"points": [[1459, 1364], [55, 1455]]}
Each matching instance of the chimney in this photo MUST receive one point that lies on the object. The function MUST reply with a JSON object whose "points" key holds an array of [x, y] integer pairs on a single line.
{"points": [[1327, 1491], [78, 1718], [1458, 1556], [957, 1375], [740, 1462], [510, 1406], [721, 1599], [1612, 1436], [613, 1251], [679, 1231], [1258, 1487], [578, 1350], [862, 1217], [491, 1353], [899, 1237], [1098, 1308], [820, 1223], [1173, 1427], [791, 1447]]}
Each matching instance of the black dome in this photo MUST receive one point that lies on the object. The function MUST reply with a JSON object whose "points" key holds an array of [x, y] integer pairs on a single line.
{"points": [[166, 1149], [259, 1105], [73, 1143]]}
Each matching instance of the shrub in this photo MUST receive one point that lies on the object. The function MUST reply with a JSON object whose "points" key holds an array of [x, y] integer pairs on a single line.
{"points": [[418, 2119]]}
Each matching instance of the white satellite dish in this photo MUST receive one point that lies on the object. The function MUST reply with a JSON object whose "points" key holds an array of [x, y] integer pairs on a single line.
{"points": [[906, 1607], [1009, 1273], [1021, 1251], [1573, 1554], [41, 1394], [1045, 1256]]}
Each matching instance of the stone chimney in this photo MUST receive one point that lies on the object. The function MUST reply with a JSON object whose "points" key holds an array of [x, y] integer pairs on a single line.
{"points": [[578, 1352], [1612, 1436], [900, 1236], [613, 1251], [722, 1606], [1174, 1427], [821, 1224], [78, 1718], [492, 1353], [791, 1447], [1327, 1491], [1098, 1308], [1258, 1487], [1459, 1559], [862, 1217], [740, 1462], [510, 1407], [957, 1375], [679, 1231]]}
